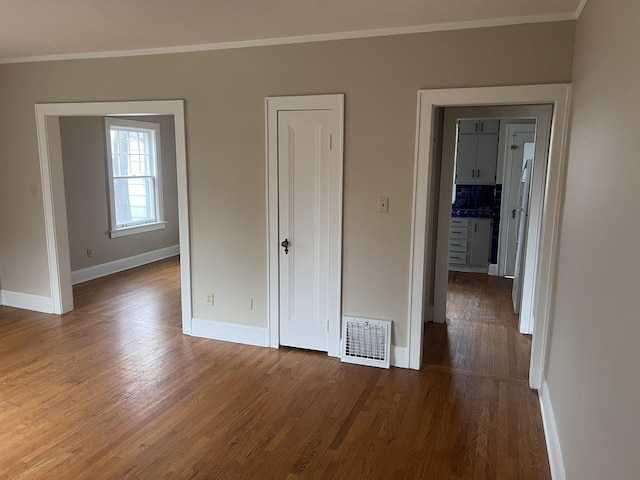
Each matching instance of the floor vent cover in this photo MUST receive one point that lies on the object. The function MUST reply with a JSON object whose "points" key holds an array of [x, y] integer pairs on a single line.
{"points": [[366, 342]]}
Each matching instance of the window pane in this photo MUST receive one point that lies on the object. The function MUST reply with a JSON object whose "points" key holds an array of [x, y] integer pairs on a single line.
{"points": [[123, 142], [131, 153], [133, 168], [134, 201]]}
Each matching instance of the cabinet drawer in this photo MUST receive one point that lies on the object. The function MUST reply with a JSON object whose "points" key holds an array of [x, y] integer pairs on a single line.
{"points": [[457, 258], [459, 232], [458, 245], [459, 222]]}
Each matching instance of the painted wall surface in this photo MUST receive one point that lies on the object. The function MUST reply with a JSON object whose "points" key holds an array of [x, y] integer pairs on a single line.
{"points": [[87, 198], [224, 92], [594, 356]]}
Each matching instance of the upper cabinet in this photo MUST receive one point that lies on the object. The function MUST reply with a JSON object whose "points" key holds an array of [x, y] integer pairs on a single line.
{"points": [[477, 152], [479, 126]]}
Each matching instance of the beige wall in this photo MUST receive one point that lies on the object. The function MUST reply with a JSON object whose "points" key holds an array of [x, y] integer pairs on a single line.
{"points": [[224, 93], [594, 357], [85, 184]]}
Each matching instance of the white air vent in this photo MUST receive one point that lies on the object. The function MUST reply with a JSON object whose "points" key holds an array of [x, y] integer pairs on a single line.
{"points": [[366, 341]]}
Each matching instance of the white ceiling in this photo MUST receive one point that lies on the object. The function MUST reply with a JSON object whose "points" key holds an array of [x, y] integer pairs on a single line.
{"points": [[78, 28]]}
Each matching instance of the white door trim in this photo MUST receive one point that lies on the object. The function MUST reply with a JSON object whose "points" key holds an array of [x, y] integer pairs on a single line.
{"points": [[509, 129], [55, 214], [335, 103], [557, 95]]}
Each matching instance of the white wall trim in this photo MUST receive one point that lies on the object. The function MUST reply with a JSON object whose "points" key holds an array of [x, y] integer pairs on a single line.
{"points": [[53, 198], [554, 449], [399, 356], [334, 103], [26, 301], [557, 95], [320, 37], [230, 332], [104, 269], [507, 129]]}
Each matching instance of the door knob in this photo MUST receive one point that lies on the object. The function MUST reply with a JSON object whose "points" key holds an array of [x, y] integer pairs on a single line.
{"points": [[285, 244]]}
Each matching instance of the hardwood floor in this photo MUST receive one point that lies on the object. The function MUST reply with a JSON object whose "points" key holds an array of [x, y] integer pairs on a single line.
{"points": [[113, 390], [481, 334]]}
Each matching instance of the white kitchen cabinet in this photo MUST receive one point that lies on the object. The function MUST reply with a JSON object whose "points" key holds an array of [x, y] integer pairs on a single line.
{"points": [[480, 230], [482, 126], [487, 159], [470, 242], [477, 152], [466, 159]]}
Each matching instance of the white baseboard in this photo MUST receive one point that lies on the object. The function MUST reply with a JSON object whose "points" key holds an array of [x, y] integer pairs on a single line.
{"points": [[399, 356], [230, 332], [26, 301], [551, 434], [97, 271], [258, 336], [493, 269]]}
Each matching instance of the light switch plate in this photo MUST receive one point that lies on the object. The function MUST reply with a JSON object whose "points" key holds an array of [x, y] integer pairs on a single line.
{"points": [[383, 204]]}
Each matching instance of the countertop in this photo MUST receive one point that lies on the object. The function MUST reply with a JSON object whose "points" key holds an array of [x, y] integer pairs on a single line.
{"points": [[472, 212]]}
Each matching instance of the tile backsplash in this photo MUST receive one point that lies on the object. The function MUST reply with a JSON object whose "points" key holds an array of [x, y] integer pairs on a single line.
{"points": [[474, 196], [497, 202]]}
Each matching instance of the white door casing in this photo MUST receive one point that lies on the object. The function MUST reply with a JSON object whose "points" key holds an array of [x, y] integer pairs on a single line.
{"points": [[548, 206], [304, 206], [521, 215], [517, 136], [57, 236]]}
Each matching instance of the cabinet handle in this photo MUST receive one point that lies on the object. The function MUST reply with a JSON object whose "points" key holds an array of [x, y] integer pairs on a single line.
{"points": [[482, 126], [475, 228], [476, 126], [478, 173], [473, 173]]}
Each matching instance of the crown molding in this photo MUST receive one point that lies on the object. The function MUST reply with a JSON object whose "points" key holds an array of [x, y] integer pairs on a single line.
{"points": [[580, 8], [321, 37]]}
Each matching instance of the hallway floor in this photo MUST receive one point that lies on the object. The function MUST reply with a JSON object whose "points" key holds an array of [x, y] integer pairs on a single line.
{"points": [[481, 334]]}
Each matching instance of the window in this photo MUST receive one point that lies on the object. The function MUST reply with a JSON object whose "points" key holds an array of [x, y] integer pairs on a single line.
{"points": [[135, 184]]}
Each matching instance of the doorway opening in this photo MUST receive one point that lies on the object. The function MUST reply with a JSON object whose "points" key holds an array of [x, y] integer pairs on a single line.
{"points": [[429, 278], [479, 159], [54, 194], [122, 210], [472, 223]]}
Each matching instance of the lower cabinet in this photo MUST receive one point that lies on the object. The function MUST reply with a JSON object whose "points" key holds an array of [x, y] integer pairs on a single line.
{"points": [[480, 242], [470, 242]]}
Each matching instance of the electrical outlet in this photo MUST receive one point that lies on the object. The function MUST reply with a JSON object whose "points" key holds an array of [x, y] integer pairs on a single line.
{"points": [[249, 302], [89, 252], [210, 298]]}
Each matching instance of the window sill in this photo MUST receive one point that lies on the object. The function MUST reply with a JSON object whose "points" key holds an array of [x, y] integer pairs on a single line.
{"points": [[147, 227]]}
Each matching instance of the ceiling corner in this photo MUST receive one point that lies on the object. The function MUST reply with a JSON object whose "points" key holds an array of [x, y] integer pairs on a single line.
{"points": [[580, 8]]}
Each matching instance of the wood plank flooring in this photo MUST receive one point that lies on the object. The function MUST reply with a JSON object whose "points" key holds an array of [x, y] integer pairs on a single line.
{"points": [[113, 390], [481, 334]]}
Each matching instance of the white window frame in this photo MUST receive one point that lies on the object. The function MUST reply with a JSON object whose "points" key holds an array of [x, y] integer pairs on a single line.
{"points": [[116, 231]]}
